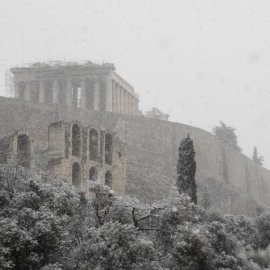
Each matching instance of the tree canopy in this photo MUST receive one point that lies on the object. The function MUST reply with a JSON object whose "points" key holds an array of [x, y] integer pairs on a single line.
{"points": [[47, 224], [227, 135]]}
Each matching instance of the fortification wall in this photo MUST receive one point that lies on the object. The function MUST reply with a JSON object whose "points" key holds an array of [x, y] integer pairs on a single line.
{"points": [[235, 182]]}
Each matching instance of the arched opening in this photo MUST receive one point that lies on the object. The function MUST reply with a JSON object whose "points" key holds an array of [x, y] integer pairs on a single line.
{"points": [[108, 179], [76, 174], [76, 140], [93, 144], [93, 174], [23, 150], [108, 149]]}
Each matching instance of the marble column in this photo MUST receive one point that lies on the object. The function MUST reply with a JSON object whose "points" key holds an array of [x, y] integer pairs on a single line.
{"points": [[109, 99], [96, 95], [82, 103], [55, 91], [133, 106], [136, 107], [16, 90], [125, 102], [129, 104], [121, 93], [41, 91], [69, 92], [117, 98], [113, 97], [122, 100], [27, 93]]}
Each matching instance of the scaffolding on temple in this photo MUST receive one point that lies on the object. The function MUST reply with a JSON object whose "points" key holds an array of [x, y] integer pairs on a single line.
{"points": [[9, 84]]}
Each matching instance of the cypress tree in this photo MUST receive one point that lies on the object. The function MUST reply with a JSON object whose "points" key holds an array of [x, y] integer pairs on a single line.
{"points": [[186, 169], [256, 158]]}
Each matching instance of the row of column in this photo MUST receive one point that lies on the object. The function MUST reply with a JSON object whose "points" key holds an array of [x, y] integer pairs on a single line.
{"points": [[64, 91], [99, 95], [123, 101]]}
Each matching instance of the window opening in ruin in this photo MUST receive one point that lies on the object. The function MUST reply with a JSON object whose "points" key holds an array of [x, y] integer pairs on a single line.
{"points": [[76, 94], [62, 91], [23, 150], [93, 144], [108, 149], [93, 174], [76, 140], [35, 91], [21, 90], [48, 91], [76, 174], [108, 179]]}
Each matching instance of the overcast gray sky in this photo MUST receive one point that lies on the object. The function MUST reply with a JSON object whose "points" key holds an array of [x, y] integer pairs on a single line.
{"points": [[199, 61]]}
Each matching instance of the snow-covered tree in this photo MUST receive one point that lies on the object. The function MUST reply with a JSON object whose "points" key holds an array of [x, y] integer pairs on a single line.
{"points": [[39, 219], [227, 135], [206, 198], [47, 224], [186, 169]]}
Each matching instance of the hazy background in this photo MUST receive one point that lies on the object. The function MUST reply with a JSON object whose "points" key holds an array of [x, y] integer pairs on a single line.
{"points": [[199, 61]]}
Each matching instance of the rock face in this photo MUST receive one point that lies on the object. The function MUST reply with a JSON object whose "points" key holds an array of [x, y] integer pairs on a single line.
{"points": [[236, 183]]}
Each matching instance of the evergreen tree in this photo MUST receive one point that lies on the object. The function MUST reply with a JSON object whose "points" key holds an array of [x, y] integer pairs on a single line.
{"points": [[227, 135], [186, 169], [256, 158]]}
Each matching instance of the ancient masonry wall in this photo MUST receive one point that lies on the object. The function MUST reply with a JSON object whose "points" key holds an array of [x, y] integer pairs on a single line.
{"points": [[236, 184]]}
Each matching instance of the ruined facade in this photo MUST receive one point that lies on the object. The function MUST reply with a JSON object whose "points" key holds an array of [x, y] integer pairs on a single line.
{"points": [[78, 154], [147, 161], [17, 148]]}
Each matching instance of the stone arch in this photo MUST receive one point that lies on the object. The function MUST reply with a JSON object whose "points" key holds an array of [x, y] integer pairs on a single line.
{"points": [[76, 174], [93, 174], [108, 148], [76, 140], [23, 151], [93, 144], [108, 179]]}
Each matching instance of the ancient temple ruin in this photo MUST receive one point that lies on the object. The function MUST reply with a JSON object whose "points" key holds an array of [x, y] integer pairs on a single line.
{"points": [[88, 86]]}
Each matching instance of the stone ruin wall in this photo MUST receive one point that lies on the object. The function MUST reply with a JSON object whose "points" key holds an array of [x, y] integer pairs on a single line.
{"points": [[235, 182]]}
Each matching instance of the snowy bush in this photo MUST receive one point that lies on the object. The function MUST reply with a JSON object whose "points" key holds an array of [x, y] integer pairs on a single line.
{"points": [[47, 224]]}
